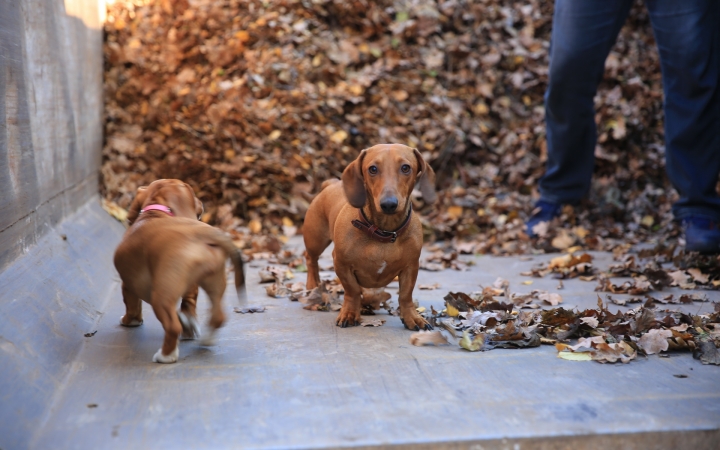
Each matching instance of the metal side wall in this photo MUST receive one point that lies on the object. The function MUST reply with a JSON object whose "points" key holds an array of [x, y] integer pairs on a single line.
{"points": [[51, 109]]}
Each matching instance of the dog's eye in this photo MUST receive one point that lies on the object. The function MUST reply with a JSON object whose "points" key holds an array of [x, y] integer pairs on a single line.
{"points": [[405, 168], [373, 170]]}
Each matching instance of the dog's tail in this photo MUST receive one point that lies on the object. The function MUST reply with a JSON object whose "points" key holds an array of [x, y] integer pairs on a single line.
{"points": [[223, 240], [327, 183]]}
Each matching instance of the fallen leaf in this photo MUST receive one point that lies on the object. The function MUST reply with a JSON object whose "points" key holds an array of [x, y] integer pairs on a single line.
{"points": [[432, 267], [655, 341], [707, 352], [580, 232], [112, 208], [339, 136], [400, 96], [421, 338], [557, 317], [623, 302], [612, 353], [680, 328], [483, 318], [698, 276], [552, 299], [679, 277], [452, 311], [321, 298], [587, 343], [563, 240], [455, 212], [501, 284], [647, 221], [690, 298], [297, 287], [541, 229], [372, 322], [277, 290], [460, 301], [472, 344], [255, 226], [575, 356], [271, 275]]}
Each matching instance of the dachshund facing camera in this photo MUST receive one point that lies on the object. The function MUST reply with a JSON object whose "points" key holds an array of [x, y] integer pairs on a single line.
{"points": [[377, 236]]}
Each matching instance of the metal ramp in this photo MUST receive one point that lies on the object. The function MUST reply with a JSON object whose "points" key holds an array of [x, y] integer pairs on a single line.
{"points": [[289, 378]]}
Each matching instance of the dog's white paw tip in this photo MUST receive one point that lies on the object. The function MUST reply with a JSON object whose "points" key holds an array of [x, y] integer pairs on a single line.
{"points": [[208, 340], [166, 359], [133, 323]]}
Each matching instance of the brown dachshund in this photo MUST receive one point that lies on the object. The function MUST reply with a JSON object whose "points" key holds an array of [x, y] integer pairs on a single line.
{"points": [[167, 253], [377, 236]]}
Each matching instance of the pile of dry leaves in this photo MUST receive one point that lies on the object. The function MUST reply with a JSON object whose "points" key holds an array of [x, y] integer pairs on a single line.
{"points": [[481, 323], [255, 103], [496, 318]]}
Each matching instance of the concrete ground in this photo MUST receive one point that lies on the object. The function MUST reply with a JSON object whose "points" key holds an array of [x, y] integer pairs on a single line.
{"points": [[290, 378]]}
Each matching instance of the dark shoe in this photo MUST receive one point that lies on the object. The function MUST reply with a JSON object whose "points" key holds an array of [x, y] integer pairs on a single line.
{"points": [[701, 235], [543, 212]]}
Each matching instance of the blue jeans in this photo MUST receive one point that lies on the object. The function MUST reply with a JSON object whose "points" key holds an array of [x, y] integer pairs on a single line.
{"points": [[688, 37]]}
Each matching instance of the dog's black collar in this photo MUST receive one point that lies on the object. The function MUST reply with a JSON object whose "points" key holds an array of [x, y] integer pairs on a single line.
{"points": [[372, 231]]}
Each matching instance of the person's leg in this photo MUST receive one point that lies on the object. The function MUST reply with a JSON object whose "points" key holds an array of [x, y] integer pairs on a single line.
{"points": [[688, 37], [582, 35]]}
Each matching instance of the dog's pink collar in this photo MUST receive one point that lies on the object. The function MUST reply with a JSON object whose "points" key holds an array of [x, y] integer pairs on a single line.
{"points": [[157, 207]]}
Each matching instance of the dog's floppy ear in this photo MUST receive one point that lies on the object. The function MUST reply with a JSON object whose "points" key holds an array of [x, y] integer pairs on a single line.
{"points": [[199, 208], [353, 182], [426, 179], [134, 210]]}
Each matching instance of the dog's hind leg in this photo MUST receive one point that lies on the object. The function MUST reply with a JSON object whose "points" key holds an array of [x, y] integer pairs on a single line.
{"points": [[164, 302], [316, 235], [133, 309], [214, 285], [313, 268], [188, 314]]}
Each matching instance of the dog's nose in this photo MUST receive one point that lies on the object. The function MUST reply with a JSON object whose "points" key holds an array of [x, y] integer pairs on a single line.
{"points": [[389, 205]]}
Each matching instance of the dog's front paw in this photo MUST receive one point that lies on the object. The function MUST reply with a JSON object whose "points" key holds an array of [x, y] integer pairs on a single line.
{"points": [[190, 326], [127, 322], [348, 318], [413, 321], [166, 359]]}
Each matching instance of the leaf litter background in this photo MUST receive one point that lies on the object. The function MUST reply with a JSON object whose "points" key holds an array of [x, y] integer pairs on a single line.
{"points": [[255, 104]]}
